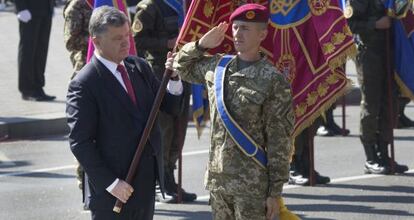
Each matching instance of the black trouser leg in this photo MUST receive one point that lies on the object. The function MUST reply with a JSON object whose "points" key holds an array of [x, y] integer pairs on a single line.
{"points": [[32, 53], [42, 51]]}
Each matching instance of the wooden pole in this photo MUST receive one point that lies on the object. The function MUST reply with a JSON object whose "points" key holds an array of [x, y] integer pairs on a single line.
{"points": [[343, 100], [180, 157], [148, 127], [310, 133], [391, 118]]}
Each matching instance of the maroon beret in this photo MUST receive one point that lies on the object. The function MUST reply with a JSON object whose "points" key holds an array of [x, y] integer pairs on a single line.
{"points": [[250, 12]]}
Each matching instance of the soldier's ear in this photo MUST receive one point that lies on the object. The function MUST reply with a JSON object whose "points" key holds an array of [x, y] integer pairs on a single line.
{"points": [[263, 34]]}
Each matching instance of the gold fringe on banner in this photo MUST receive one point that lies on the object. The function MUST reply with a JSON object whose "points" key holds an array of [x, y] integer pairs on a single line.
{"points": [[405, 91]]}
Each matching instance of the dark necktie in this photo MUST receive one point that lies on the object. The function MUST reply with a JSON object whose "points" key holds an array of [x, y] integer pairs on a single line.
{"points": [[127, 82]]}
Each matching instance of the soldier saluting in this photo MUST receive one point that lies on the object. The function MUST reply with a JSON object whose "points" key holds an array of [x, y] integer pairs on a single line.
{"points": [[251, 113]]}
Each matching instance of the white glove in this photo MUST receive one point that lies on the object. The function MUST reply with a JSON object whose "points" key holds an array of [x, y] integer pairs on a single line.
{"points": [[24, 16], [131, 9]]}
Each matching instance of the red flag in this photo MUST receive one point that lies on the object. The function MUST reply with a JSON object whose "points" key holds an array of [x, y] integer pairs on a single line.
{"points": [[308, 41]]}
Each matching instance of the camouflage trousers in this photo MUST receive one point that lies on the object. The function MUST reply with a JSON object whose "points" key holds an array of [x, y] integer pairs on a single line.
{"points": [[230, 207], [78, 59], [173, 130], [372, 76], [79, 174], [300, 160]]}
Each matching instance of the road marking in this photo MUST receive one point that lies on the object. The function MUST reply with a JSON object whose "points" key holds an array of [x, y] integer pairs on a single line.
{"points": [[66, 167], [5, 161], [337, 180], [195, 152]]}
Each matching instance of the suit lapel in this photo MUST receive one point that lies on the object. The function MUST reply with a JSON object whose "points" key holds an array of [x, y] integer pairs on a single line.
{"points": [[137, 79], [115, 88]]}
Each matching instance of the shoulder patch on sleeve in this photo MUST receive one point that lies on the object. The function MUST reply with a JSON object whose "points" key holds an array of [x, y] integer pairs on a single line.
{"points": [[348, 11], [137, 26]]}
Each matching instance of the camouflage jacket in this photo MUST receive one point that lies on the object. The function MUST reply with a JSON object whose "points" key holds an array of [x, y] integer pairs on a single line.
{"points": [[154, 24], [76, 34], [362, 22], [259, 99]]}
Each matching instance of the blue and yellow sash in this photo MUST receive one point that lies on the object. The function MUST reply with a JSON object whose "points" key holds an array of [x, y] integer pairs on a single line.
{"points": [[246, 144]]}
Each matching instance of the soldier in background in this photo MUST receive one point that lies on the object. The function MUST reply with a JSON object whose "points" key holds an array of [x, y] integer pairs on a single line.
{"points": [[76, 34], [300, 164], [370, 22], [155, 30], [328, 125], [259, 101], [35, 23]]}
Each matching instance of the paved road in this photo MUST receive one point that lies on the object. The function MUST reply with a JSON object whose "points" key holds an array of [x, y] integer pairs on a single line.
{"points": [[37, 181], [37, 176]]}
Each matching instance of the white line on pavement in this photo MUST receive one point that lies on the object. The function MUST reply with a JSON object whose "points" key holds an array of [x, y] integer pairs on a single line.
{"points": [[38, 171], [5, 161], [337, 180], [195, 152]]}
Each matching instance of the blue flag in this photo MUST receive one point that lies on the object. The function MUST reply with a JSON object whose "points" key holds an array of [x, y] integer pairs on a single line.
{"points": [[403, 28], [404, 54]]}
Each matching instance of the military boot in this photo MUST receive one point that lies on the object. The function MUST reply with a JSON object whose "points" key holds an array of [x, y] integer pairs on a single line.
{"points": [[404, 121], [387, 162], [171, 188], [372, 166]]}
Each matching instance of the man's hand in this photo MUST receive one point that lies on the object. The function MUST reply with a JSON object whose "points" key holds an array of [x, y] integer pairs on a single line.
{"points": [[214, 37], [24, 16], [383, 23], [272, 208], [169, 63], [122, 191]]}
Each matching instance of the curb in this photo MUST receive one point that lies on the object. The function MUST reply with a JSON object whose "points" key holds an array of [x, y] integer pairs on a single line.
{"points": [[33, 126], [55, 123]]}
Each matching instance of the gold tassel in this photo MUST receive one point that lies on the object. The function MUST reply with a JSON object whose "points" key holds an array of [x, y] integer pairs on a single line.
{"points": [[284, 212], [344, 56]]}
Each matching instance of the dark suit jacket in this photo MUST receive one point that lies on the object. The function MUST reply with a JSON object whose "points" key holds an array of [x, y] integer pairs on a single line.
{"points": [[36, 7], [106, 126]]}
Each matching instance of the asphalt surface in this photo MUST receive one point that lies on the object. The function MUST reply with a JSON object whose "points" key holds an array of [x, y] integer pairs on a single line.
{"points": [[37, 178]]}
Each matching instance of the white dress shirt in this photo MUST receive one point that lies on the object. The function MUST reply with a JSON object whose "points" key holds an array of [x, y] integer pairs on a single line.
{"points": [[173, 87]]}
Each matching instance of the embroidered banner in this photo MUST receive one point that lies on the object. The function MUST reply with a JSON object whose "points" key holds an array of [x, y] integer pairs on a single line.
{"points": [[313, 42], [403, 44], [308, 42]]}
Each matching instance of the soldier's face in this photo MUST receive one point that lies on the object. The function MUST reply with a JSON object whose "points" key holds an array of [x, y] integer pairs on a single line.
{"points": [[114, 43], [247, 36]]}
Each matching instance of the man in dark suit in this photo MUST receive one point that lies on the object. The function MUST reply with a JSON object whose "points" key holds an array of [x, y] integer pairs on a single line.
{"points": [[108, 104], [35, 21]]}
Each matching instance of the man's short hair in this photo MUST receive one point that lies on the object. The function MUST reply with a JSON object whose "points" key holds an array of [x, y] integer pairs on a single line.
{"points": [[103, 17]]}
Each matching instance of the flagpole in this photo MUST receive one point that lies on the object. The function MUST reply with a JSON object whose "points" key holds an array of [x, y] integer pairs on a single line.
{"points": [[391, 118], [310, 132], [180, 156], [148, 127], [344, 110]]}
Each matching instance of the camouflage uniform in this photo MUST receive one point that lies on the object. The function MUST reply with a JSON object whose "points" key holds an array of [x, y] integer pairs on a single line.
{"points": [[375, 126], [259, 99], [154, 24], [76, 34], [372, 76]]}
